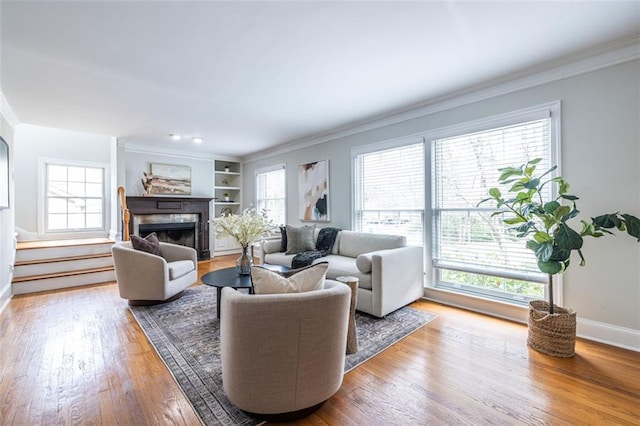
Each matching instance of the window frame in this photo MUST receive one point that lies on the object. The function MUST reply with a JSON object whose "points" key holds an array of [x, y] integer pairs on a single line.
{"points": [[273, 168], [42, 204], [356, 152], [549, 110]]}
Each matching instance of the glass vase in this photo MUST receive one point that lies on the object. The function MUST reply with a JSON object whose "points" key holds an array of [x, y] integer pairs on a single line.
{"points": [[244, 262]]}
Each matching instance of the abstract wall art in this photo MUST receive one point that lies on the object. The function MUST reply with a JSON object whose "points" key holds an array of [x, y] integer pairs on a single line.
{"points": [[313, 189]]}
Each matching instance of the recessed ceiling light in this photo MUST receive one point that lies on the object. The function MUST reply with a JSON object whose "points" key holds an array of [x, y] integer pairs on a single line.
{"points": [[198, 139], [175, 137]]}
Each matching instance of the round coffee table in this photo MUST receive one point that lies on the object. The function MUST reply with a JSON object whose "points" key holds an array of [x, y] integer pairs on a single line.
{"points": [[229, 277]]}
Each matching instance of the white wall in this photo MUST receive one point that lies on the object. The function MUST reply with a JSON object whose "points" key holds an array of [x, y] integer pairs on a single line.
{"points": [[137, 162], [7, 249], [600, 158], [35, 142]]}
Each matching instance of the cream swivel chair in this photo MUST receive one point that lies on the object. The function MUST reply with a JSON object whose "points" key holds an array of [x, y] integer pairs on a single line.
{"points": [[145, 278], [283, 354]]}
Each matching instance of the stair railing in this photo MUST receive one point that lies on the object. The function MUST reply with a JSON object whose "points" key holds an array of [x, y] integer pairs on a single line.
{"points": [[126, 217]]}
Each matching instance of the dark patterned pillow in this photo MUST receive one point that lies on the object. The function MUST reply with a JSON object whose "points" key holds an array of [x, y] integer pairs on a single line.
{"points": [[149, 244], [283, 239]]}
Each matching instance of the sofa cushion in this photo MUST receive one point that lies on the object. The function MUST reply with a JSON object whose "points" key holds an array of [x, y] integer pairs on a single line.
{"points": [[353, 244], [342, 265], [180, 268], [149, 244], [305, 279], [300, 239]]}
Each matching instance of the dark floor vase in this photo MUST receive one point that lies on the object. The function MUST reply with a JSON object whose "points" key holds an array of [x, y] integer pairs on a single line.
{"points": [[552, 334]]}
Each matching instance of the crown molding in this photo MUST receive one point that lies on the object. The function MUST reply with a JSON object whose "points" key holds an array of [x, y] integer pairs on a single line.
{"points": [[145, 149], [604, 56], [7, 112]]}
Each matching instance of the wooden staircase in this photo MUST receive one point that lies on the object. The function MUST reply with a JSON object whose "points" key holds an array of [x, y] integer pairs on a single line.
{"points": [[49, 265]]}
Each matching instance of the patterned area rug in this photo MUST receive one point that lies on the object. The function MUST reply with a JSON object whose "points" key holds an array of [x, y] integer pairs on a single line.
{"points": [[186, 335]]}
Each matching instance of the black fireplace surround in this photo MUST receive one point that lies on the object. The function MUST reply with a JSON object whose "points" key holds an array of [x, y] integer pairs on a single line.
{"points": [[193, 233]]}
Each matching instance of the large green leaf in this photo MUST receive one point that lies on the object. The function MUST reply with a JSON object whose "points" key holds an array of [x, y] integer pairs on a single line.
{"points": [[532, 245], [550, 267], [567, 238], [544, 251], [541, 237], [495, 193], [571, 215], [560, 255], [569, 197], [633, 225], [561, 212], [551, 206], [532, 184], [514, 220], [507, 172], [607, 221], [535, 161]]}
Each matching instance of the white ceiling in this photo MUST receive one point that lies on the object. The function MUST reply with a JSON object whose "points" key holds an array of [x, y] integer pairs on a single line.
{"points": [[247, 76]]}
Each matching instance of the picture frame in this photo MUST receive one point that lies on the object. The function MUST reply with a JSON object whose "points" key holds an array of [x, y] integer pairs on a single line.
{"points": [[4, 174], [170, 179], [313, 191]]}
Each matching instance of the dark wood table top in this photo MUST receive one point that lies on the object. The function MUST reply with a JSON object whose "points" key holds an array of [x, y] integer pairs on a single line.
{"points": [[229, 277]]}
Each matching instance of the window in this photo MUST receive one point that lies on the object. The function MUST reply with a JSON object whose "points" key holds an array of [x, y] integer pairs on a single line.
{"points": [[389, 191], [472, 251], [74, 198], [271, 191]]}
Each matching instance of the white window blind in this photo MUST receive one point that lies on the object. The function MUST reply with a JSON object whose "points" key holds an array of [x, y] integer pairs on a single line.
{"points": [[389, 192], [271, 194], [74, 198], [471, 249]]}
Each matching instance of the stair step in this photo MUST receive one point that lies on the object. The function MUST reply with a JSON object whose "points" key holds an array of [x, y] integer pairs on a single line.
{"points": [[95, 276], [62, 259], [34, 251], [61, 274]]}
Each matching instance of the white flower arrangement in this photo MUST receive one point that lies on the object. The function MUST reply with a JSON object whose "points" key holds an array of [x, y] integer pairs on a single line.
{"points": [[247, 228]]}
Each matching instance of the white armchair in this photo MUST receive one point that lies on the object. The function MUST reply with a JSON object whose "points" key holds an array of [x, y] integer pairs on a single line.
{"points": [[145, 278]]}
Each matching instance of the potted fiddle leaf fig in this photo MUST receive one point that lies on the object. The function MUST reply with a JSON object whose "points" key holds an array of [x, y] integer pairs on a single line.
{"points": [[545, 225]]}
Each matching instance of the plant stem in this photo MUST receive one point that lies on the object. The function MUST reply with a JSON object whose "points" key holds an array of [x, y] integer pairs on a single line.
{"points": [[550, 293]]}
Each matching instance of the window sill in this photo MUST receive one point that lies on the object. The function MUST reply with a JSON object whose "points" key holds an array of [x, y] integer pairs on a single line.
{"points": [[478, 304]]}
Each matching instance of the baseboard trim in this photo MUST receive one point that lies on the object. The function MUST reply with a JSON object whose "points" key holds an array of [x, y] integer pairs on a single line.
{"points": [[621, 337], [5, 296]]}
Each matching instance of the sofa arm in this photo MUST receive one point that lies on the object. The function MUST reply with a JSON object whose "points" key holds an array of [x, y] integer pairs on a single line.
{"points": [[397, 278], [175, 252], [270, 246]]}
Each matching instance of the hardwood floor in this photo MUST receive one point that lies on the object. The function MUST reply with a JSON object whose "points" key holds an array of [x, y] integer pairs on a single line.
{"points": [[77, 356]]}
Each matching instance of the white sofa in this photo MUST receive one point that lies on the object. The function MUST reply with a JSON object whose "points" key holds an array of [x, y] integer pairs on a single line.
{"points": [[390, 273]]}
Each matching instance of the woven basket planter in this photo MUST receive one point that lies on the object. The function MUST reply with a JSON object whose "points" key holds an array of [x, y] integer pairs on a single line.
{"points": [[552, 334]]}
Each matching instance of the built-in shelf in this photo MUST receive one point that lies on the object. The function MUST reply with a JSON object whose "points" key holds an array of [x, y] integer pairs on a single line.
{"points": [[226, 182]]}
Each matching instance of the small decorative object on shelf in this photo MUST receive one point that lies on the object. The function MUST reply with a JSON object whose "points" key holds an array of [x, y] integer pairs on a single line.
{"points": [[226, 197], [226, 169], [248, 228], [226, 182]]}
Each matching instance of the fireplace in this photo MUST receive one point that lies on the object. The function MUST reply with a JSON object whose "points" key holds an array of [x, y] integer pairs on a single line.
{"points": [[177, 220]]}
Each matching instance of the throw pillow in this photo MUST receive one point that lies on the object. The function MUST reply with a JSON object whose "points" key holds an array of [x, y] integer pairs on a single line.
{"points": [[301, 280], [300, 239], [149, 244]]}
